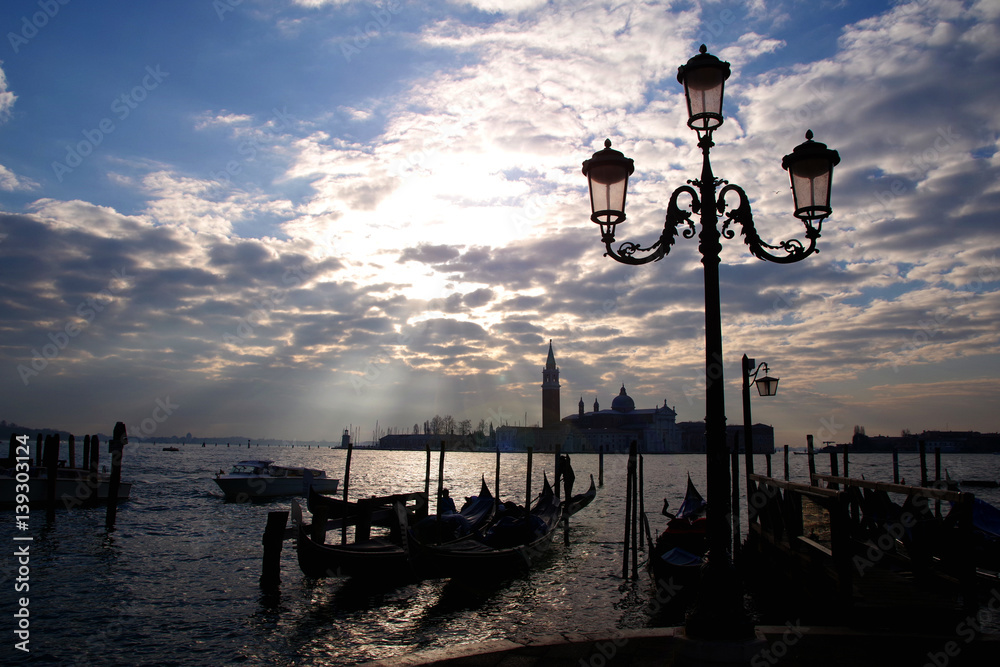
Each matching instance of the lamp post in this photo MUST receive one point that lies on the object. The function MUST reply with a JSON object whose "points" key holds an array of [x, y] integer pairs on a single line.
{"points": [[766, 386], [810, 167]]}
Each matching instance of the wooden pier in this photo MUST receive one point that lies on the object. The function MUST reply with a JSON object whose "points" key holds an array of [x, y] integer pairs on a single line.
{"points": [[870, 550]]}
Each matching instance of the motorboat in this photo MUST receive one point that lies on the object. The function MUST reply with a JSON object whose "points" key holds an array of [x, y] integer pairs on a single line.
{"points": [[250, 480]]}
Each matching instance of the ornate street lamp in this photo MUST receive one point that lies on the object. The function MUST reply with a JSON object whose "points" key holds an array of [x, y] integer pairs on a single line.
{"points": [[766, 386], [810, 167]]}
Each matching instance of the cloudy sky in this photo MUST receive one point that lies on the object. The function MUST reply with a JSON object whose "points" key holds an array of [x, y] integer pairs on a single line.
{"points": [[283, 218]]}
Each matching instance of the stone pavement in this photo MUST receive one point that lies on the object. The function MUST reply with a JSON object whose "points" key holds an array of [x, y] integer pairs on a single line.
{"points": [[789, 645]]}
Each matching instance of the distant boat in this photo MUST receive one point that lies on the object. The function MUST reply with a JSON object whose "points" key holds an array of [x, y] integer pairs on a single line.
{"points": [[171, 449], [250, 480]]}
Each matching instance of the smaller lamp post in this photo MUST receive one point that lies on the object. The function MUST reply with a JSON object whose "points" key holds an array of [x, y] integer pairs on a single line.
{"points": [[766, 386]]}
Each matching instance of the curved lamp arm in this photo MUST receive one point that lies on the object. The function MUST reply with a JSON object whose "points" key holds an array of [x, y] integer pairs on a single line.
{"points": [[794, 249], [627, 251]]}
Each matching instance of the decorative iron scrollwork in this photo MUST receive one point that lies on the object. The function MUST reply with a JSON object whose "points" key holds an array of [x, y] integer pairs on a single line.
{"points": [[794, 249]]}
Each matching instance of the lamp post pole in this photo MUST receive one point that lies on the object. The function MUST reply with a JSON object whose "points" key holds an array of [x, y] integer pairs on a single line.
{"points": [[719, 612], [766, 386]]}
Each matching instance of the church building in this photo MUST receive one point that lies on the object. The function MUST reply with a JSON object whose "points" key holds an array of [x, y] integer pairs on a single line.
{"points": [[654, 429]]}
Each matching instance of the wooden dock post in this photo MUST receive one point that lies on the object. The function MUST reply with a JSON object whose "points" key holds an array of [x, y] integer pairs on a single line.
{"points": [[767, 463], [786, 463], [320, 513], [847, 446], [600, 467], [72, 451], [812, 460], [895, 466], [119, 439], [527, 483], [347, 486], [923, 462], [274, 537]]}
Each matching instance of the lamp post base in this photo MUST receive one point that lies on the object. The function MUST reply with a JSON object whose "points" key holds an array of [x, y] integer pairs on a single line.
{"points": [[710, 653], [719, 614]]}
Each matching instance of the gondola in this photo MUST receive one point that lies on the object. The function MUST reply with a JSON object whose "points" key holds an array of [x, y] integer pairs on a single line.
{"points": [[680, 550], [389, 556], [581, 500], [508, 546]]}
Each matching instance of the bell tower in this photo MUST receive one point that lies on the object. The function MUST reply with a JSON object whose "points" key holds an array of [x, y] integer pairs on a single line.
{"points": [[550, 392]]}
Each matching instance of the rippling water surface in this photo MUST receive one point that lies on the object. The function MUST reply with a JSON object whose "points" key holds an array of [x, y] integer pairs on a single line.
{"points": [[177, 581]]}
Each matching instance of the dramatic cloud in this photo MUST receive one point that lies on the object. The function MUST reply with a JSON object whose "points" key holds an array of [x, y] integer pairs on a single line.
{"points": [[338, 212]]}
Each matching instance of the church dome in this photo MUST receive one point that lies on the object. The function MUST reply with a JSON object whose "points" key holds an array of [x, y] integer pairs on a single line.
{"points": [[623, 402]]}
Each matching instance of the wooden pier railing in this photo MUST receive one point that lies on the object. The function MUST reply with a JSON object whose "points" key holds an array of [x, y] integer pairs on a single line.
{"points": [[850, 536]]}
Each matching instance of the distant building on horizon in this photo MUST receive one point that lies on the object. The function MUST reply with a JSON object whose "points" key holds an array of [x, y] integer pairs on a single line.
{"points": [[693, 437], [654, 429]]}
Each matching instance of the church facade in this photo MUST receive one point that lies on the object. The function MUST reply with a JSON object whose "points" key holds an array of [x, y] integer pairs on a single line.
{"points": [[654, 429]]}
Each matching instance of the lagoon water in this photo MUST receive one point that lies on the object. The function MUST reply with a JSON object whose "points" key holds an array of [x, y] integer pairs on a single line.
{"points": [[176, 582]]}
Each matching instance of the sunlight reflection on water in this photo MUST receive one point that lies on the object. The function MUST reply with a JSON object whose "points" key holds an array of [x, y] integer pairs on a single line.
{"points": [[176, 583]]}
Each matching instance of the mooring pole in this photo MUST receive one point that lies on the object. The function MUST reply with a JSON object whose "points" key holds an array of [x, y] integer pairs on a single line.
{"points": [[812, 460], [923, 462], [937, 480], [786, 463], [633, 460], [628, 517], [496, 480], [440, 492], [895, 466], [72, 451], [834, 469], [51, 457], [427, 474], [735, 463], [117, 445], [274, 537], [600, 467], [347, 485], [527, 484], [558, 469]]}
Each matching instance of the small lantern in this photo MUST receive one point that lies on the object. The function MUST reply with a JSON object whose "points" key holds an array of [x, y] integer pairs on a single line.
{"points": [[766, 386], [704, 78], [607, 174], [810, 168]]}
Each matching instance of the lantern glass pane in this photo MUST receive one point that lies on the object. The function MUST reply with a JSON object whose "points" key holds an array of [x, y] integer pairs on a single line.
{"points": [[704, 88], [608, 183], [811, 184]]}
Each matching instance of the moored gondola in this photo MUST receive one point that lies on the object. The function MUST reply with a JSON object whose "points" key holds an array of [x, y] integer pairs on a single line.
{"points": [[511, 544], [680, 550], [382, 556], [581, 500]]}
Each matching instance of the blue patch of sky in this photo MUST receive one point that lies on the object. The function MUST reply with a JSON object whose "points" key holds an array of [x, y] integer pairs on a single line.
{"points": [[809, 33], [885, 293]]}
